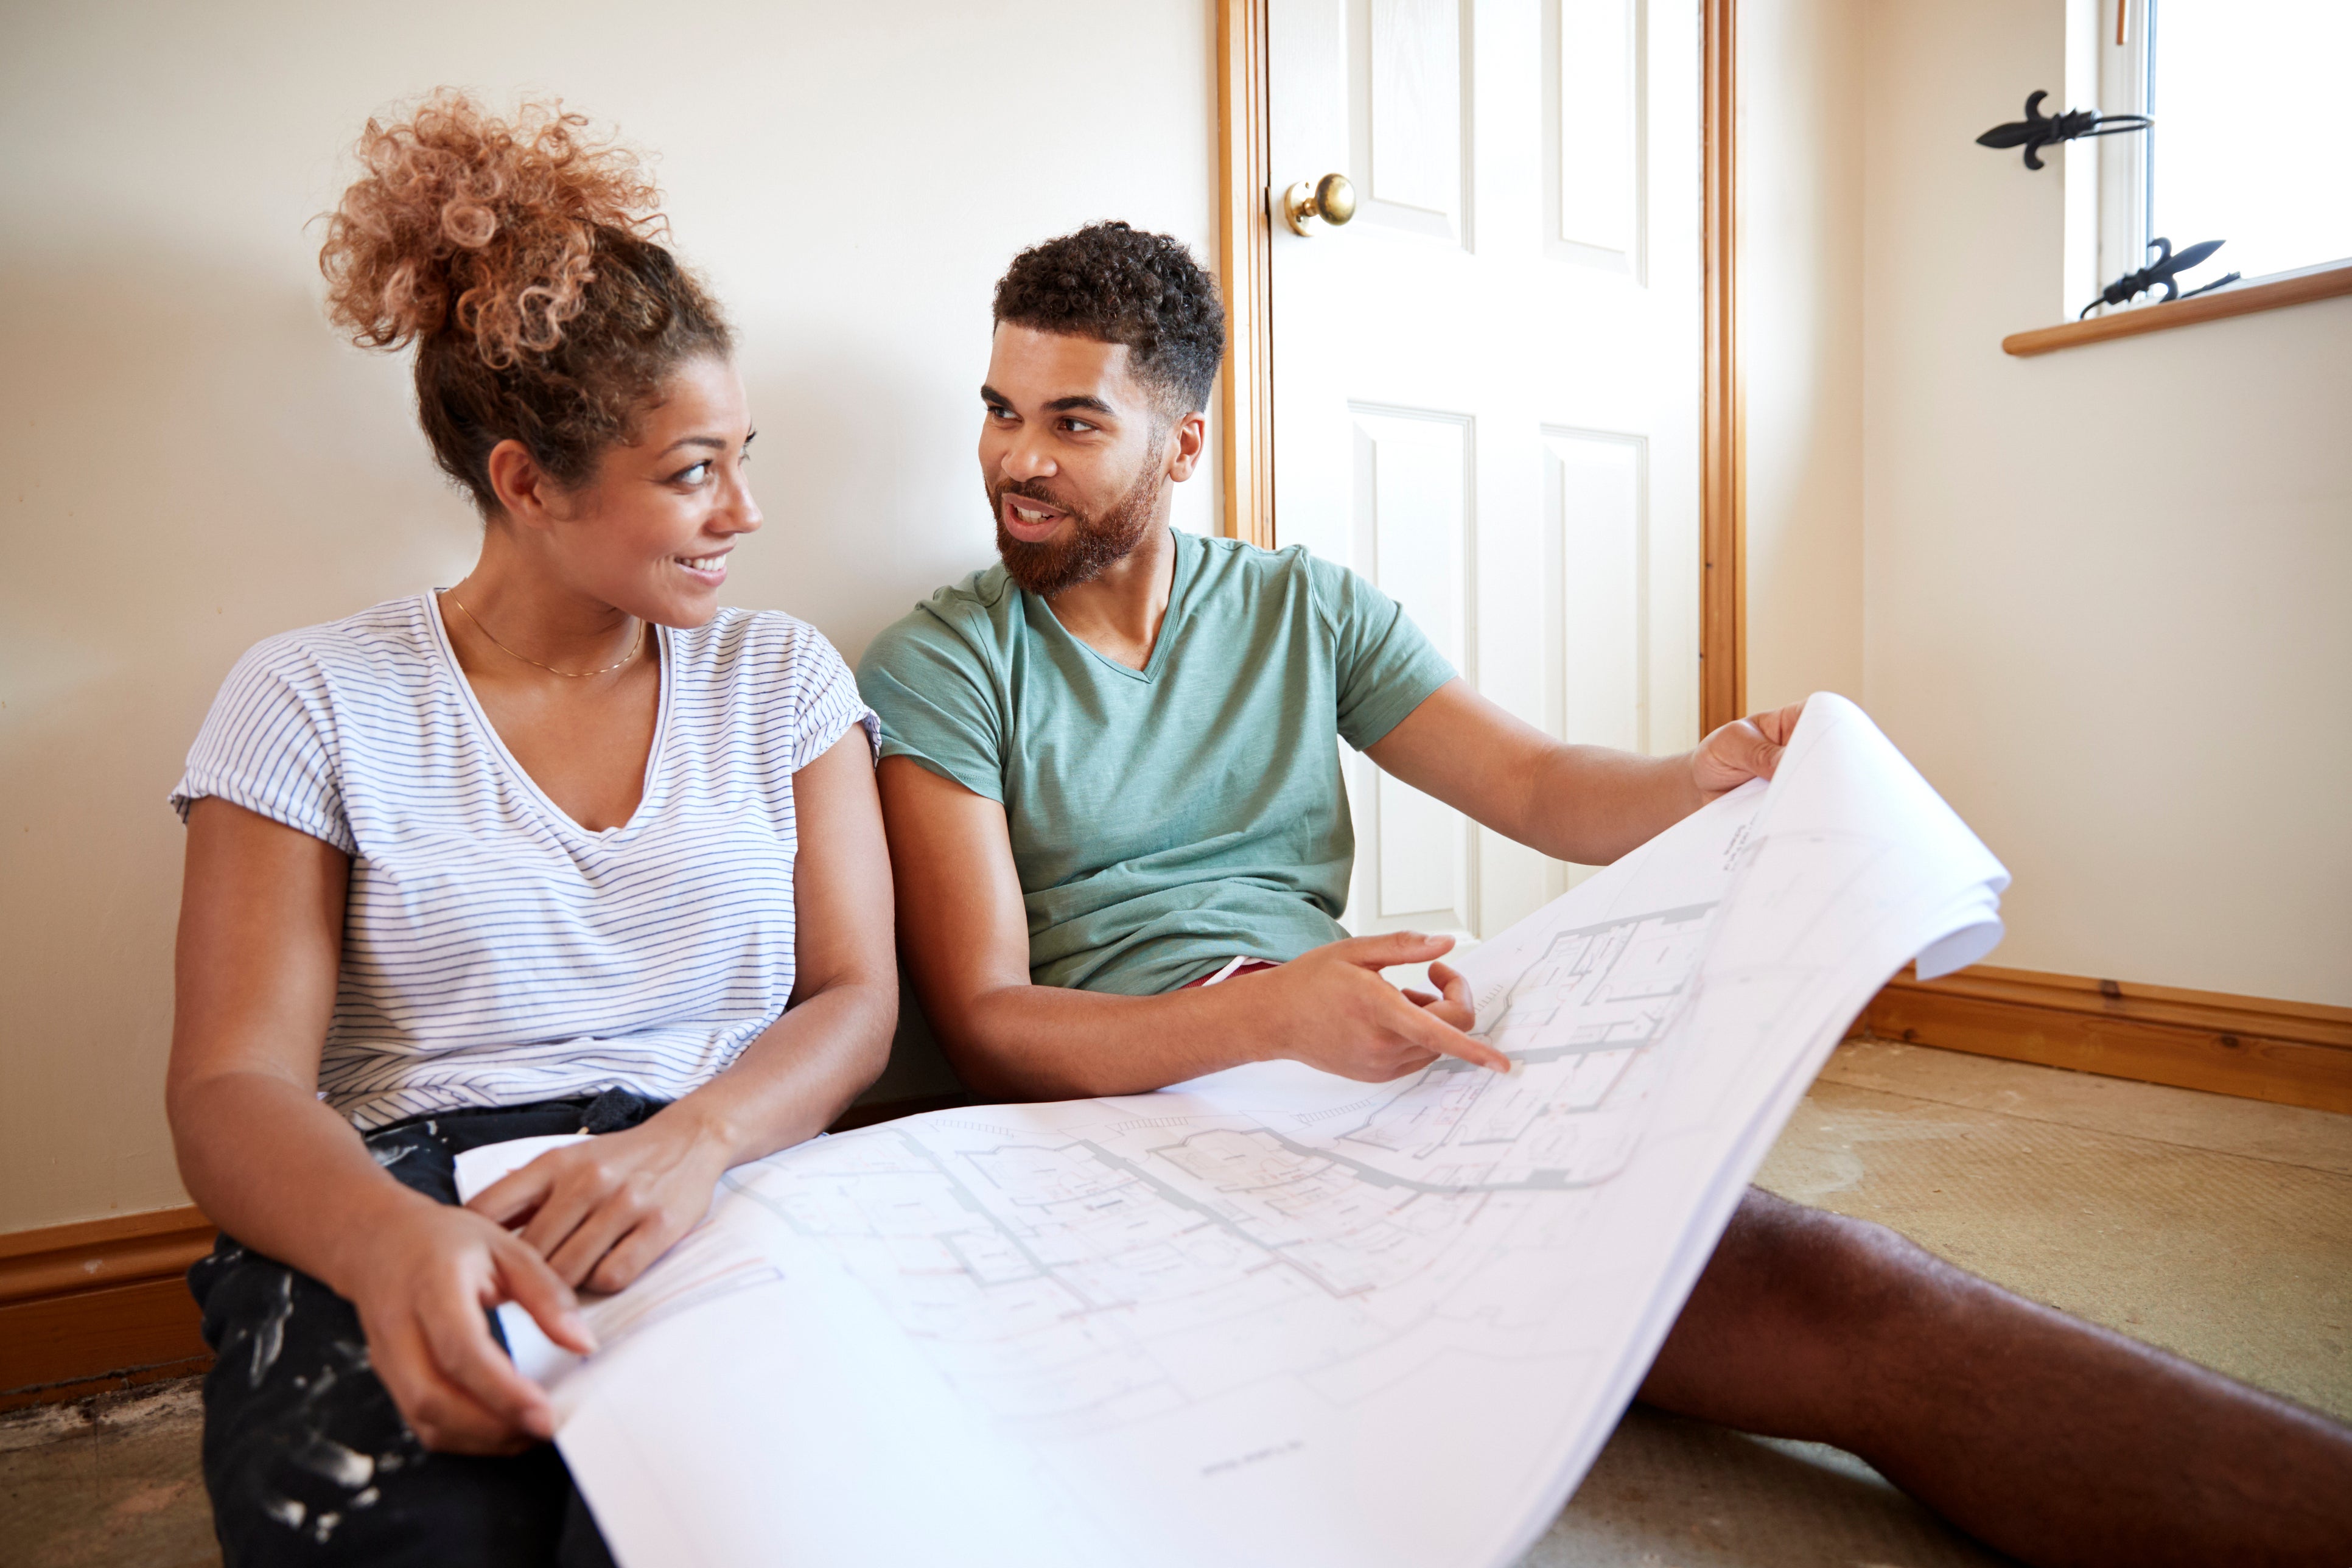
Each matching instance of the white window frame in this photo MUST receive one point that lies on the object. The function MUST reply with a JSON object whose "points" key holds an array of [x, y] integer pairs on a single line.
{"points": [[2107, 218], [2107, 176], [2124, 170]]}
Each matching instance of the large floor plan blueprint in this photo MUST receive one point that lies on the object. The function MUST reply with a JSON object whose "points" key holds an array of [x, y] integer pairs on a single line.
{"points": [[1273, 1316]]}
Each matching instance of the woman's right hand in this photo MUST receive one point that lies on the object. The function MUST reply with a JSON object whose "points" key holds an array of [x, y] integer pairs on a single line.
{"points": [[424, 1284]]}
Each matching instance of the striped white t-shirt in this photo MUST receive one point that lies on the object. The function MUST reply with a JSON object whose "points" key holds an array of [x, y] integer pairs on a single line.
{"points": [[495, 951]]}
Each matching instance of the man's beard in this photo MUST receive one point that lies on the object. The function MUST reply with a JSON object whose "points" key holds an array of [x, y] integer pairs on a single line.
{"points": [[1094, 544]]}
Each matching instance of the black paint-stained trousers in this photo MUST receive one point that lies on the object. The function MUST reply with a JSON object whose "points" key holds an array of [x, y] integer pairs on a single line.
{"points": [[306, 1456]]}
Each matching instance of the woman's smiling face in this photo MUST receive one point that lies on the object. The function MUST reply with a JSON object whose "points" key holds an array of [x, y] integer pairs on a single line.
{"points": [[650, 533]]}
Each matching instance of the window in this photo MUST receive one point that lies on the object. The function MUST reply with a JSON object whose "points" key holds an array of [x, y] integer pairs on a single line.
{"points": [[2252, 142]]}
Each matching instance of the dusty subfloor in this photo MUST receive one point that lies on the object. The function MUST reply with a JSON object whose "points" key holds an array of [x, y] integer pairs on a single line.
{"points": [[2219, 1228], [2215, 1227]]}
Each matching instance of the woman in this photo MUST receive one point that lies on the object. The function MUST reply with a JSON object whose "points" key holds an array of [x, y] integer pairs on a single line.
{"points": [[565, 847]]}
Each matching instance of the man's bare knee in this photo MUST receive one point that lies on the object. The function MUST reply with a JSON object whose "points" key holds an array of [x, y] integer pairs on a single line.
{"points": [[1789, 1325], [1822, 1277]]}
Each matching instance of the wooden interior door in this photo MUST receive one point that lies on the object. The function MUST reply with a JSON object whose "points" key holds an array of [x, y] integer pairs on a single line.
{"points": [[1486, 386]]}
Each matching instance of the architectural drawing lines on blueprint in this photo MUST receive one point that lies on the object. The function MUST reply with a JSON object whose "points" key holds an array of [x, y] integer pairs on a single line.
{"points": [[1249, 1321]]}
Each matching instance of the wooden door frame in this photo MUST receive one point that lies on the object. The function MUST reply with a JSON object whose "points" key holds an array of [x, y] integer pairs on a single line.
{"points": [[1723, 445], [1245, 398], [1245, 272]]}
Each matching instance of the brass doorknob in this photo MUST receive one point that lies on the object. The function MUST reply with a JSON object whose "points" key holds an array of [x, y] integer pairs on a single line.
{"points": [[1331, 199]]}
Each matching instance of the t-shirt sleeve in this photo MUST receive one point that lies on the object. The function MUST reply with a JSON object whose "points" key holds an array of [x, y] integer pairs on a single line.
{"points": [[829, 704], [269, 745], [937, 703], [1385, 665]]}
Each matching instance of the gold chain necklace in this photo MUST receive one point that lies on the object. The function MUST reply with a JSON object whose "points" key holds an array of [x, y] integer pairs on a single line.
{"points": [[636, 648]]}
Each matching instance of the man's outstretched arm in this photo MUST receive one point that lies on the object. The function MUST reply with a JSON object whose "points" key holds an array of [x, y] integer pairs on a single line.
{"points": [[964, 934], [1585, 803]]}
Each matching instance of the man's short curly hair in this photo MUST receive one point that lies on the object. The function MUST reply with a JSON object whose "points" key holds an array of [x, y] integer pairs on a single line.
{"points": [[1115, 284]]}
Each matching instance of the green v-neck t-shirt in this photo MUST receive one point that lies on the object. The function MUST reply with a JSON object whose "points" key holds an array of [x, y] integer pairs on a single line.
{"points": [[1166, 819]]}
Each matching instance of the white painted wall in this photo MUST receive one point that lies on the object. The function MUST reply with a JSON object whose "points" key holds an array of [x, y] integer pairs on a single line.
{"points": [[2106, 587], [1800, 74], [193, 460], [2101, 593]]}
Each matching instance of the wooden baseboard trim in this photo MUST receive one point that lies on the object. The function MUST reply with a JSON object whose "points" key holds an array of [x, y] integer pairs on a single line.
{"points": [[99, 1305], [2291, 1053]]}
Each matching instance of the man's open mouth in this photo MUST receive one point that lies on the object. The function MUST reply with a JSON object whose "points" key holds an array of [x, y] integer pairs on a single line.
{"points": [[1030, 521]]}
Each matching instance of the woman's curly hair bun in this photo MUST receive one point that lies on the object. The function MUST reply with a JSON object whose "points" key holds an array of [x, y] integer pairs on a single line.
{"points": [[487, 226], [519, 256]]}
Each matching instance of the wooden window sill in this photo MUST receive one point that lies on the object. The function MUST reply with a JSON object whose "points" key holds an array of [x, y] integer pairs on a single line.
{"points": [[2295, 289]]}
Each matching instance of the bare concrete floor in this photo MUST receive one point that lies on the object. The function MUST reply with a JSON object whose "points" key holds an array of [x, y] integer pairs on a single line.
{"points": [[2218, 1229]]}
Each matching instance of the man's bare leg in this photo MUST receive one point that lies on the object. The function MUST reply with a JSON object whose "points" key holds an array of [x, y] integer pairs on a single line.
{"points": [[2055, 1441]]}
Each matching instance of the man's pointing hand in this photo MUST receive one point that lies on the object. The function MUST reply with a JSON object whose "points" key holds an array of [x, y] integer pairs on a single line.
{"points": [[1331, 1009]]}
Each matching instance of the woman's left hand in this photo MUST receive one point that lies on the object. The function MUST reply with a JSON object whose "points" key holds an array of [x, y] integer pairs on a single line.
{"points": [[601, 1210]]}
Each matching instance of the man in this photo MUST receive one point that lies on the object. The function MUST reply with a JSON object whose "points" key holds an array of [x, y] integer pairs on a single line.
{"points": [[1121, 846]]}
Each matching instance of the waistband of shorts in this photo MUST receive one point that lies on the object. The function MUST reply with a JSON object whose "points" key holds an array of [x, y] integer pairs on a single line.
{"points": [[613, 1110]]}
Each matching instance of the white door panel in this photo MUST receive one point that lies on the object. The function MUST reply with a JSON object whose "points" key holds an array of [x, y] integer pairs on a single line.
{"points": [[1409, 114], [1487, 387], [1595, 134], [1597, 557], [1411, 487]]}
